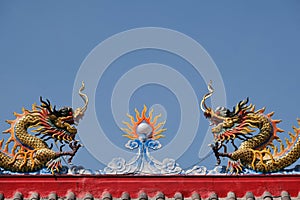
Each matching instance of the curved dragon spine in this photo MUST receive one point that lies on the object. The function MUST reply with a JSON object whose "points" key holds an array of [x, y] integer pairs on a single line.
{"points": [[26, 150], [256, 152]]}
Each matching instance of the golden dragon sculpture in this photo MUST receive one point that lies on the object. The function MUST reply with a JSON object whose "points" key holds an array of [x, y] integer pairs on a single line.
{"points": [[256, 151], [25, 152]]}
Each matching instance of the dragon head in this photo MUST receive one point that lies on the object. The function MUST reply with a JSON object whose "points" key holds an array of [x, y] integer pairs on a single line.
{"points": [[60, 124], [227, 125]]}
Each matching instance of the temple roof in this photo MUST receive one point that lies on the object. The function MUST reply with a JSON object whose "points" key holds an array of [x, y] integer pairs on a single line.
{"points": [[106, 187]]}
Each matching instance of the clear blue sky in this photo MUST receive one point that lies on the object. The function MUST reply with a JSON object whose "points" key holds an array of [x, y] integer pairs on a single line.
{"points": [[255, 46]]}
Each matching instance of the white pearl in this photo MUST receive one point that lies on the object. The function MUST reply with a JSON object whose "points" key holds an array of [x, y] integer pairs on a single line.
{"points": [[144, 128]]}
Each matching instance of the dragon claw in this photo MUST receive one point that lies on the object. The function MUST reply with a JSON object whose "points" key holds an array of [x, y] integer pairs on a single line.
{"points": [[54, 165], [75, 146], [234, 167]]}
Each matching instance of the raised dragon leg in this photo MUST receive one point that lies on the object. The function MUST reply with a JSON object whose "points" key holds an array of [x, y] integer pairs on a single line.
{"points": [[74, 146], [216, 147]]}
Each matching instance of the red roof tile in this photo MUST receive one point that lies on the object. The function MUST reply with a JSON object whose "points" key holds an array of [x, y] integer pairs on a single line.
{"points": [[264, 187]]}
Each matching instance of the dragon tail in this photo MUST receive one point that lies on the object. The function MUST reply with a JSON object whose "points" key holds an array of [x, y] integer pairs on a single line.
{"points": [[285, 161], [286, 157]]}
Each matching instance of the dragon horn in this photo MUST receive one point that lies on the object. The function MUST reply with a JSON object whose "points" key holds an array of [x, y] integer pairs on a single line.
{"points": [[79, 112], [203, 105], [46, 104]]}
